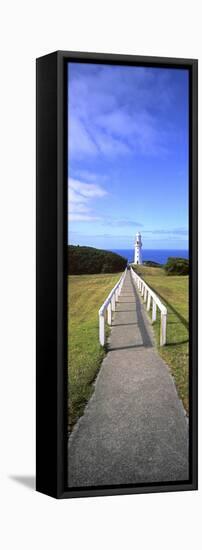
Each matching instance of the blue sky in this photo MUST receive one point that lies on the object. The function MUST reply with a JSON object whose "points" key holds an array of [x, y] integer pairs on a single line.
{"points": [[128, 156]]}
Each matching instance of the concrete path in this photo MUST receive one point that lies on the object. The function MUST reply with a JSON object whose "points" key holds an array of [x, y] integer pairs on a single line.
{"points": [[134, 428]]}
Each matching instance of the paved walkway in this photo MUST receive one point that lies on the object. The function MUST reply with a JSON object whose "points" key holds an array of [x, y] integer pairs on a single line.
{"points": [[134, 428]]}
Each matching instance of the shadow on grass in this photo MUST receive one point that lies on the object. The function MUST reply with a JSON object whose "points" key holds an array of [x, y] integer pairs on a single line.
{"points": [[177, 343], [180, 317], [177, 314]]}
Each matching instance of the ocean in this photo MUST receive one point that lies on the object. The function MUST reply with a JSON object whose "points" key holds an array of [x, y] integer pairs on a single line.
{"points": [[159, 256]]}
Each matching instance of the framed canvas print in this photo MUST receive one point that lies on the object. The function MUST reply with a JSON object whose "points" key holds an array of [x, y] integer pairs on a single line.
{"points": [[116, 274]]}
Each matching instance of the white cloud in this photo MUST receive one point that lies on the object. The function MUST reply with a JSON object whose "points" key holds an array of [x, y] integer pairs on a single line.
{"points": [[176, 231], [86, 189], [75, 217], [88, 175], [75, 197], [80, 197], [78, 207]]}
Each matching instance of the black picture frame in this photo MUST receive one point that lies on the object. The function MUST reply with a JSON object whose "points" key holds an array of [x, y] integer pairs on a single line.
{"points": [[51, 272]]}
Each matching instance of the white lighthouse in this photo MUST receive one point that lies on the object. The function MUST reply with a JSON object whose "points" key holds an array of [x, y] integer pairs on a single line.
{"points": [[138, 249]]}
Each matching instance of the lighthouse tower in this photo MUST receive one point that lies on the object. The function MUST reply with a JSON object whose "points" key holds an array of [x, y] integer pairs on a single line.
{"points": [[138, 249]]}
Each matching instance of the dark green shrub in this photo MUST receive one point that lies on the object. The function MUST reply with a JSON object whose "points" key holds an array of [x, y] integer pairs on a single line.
{"points": [[85, 260], [177, 266]]}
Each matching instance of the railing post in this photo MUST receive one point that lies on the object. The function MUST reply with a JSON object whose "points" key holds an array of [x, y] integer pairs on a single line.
{"points": [[113, 302], [153, 311], [102, 329], [121, 284], [163, 329], [148, 301], [147, 295], [109, 314], [109, 306]]}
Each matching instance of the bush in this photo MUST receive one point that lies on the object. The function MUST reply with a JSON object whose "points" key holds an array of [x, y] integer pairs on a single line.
{"points": [[177, 266], [85, 260]]}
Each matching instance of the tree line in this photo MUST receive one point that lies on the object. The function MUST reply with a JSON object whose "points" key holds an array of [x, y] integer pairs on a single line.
{"points": [[85, 259]]}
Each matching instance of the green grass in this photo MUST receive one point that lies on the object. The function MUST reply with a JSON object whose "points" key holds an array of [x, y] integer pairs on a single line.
{"points": [[86, 293], [174, 292]]}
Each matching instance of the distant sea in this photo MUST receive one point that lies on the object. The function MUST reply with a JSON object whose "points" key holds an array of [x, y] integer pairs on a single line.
{"points": [[159, 256]]}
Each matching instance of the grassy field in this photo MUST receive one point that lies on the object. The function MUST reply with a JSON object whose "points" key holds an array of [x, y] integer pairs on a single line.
{"points": [[173, 290], [86, 293]]}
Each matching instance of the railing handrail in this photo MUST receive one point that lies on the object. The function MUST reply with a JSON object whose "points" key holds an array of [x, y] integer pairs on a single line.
{"points": [[109, 304], [161, 306], [109, 297], [148, 294]]}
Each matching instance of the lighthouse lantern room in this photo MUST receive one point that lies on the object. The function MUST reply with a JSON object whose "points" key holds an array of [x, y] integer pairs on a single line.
{"points": [[138, 249]]}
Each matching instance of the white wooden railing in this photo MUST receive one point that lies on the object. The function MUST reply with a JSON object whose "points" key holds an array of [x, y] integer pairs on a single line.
{"points": [[148, 294], [105, 312]]}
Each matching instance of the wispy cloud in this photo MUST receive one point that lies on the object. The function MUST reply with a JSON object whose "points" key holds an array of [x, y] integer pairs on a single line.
{"points": [[176, 231], [110, 110], [80, 142], [76, 217], [80, 197], [87, 175], [86, 189], [119, 222]]}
